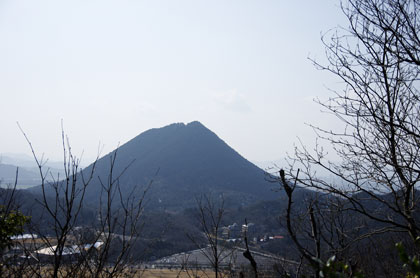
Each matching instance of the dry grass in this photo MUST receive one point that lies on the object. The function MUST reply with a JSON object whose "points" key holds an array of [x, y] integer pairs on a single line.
{"points": [[173, 273], [133, 273]]}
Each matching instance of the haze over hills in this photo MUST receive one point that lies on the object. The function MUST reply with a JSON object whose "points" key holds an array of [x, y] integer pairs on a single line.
{"points": [[184, 161], [28, 175]]}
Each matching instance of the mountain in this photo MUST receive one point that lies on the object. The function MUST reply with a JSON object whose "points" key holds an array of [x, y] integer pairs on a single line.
{"points": [[183, 161]]}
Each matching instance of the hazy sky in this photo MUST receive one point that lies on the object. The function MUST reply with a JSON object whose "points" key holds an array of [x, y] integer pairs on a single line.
{"points": [[113, 69]]}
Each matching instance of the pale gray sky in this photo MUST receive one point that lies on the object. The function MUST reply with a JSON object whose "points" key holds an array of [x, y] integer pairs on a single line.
{"points": [[113, 69]]}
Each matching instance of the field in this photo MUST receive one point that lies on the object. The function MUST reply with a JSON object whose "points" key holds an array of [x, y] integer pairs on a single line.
{"points": [[175, 273]]}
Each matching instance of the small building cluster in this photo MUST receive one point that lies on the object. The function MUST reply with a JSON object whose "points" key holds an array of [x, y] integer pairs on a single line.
{"points": [[30, 247], [235, 232]]}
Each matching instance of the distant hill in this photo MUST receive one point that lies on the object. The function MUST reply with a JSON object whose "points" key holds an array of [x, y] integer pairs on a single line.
{"points": [[27, 161], [184, 161], [28, 170], [26, 177]]}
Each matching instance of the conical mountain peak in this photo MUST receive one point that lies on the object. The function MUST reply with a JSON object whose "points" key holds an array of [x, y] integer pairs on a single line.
{"points": [[190, 160]]}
